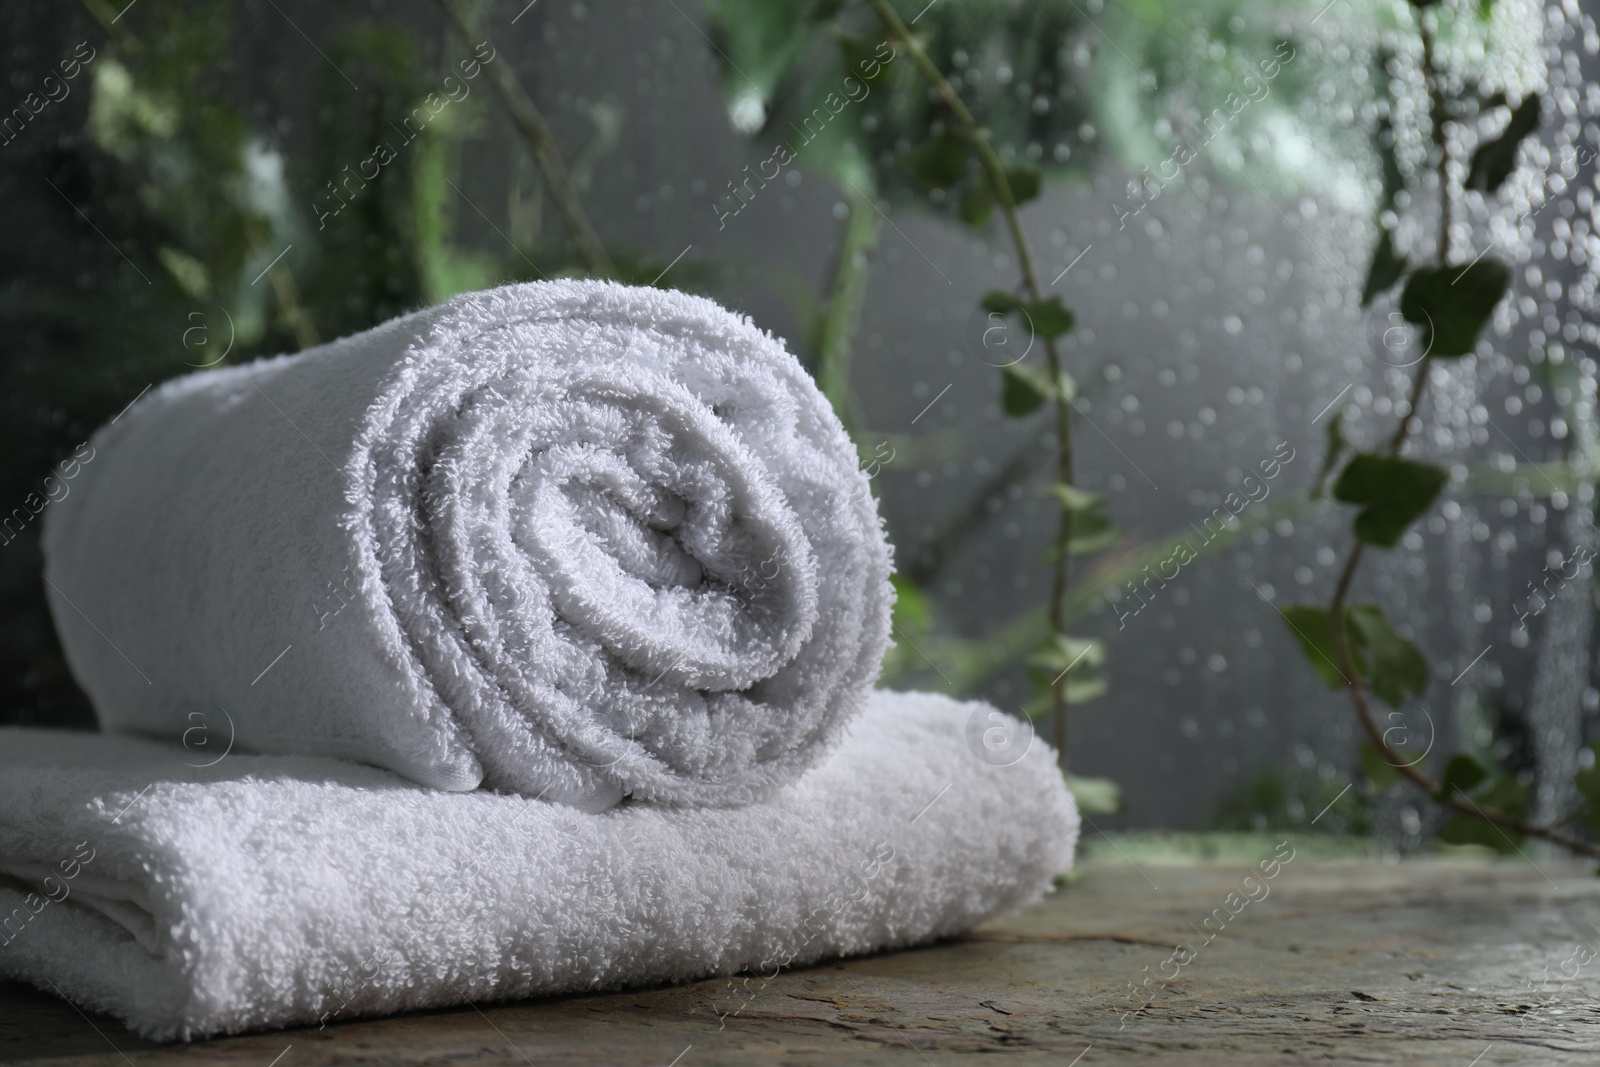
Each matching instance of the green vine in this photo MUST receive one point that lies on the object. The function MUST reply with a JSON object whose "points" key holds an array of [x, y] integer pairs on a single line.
{"points": [[1352, 646], [1062, 667]]}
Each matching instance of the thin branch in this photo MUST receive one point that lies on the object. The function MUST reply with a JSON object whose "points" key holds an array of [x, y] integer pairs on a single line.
{"points": [[543, 143], [994, 170]]}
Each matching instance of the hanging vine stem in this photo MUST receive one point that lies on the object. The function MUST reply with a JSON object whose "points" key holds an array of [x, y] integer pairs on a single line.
{"points": [[1338, 640], [994, 171]]}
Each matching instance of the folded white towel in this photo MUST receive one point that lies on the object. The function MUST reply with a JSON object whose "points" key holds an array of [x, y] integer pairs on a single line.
{"points": [[571, 539], [277, 890]]}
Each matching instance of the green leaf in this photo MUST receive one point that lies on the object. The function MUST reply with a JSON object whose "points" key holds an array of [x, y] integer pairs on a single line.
{"points": [[1082, 688], [1490, 789], [1091, 532], [1504, 794], [1392, 493], [999, 300], [188, 272], [912, 612], [1451, 304], [1072, 498], [1493, 161], [1383, 774], [1463, 773], [1024, 183], [941, 160], [1467, 829], [1386, 269], [1391, 665], [861, 54], [1048, 317], [1095, 796], [1023, 387], [1507, 794], [1309, 624], [1067, 653], [976, 204]]}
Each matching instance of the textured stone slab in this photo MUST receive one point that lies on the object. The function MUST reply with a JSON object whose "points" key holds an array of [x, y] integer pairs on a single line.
{"points": [[1340, 964]]}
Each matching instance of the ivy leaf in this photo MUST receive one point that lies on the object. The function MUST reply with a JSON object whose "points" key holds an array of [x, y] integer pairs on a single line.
{"points": [[1000, 301], [1491, 789], [1493, 161], [1086, 687], [1024, 183], [860, 54], [1309, 624], [978, 201], [1048, 316], [1504, 794], [1067, 653], [1451, 304], [1463, 773], [1386, 269], [1467, 829], [1091, 531], [1392, 493], [976, 204], [1072, 498], [1391, 665], [941, 160], [1023, 387], [1095, 796], [1079, 686]]}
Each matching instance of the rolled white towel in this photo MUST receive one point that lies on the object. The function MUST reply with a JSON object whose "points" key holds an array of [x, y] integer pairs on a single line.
{"points": [[270, 891], [570, 539]]}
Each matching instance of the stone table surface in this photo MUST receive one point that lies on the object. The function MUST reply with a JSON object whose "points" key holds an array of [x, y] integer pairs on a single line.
{"points": [[1338, 963]]}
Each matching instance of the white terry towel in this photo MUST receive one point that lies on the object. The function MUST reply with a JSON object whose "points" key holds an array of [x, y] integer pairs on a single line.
{"points": [[570, 539], [277, 890]]}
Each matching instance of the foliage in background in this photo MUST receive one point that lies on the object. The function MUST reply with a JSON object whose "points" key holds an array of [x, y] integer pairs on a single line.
{"points": [[1448, 302], [1297, 799]]}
